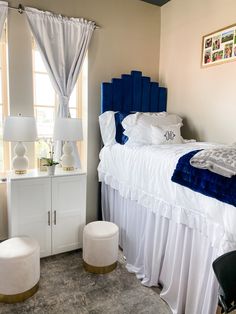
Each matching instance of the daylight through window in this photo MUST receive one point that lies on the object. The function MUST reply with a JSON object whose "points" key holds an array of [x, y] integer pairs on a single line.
{"points": [[4, 147]]}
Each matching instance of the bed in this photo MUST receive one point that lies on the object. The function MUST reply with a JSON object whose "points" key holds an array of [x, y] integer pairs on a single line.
{"points": [[170, 234]]}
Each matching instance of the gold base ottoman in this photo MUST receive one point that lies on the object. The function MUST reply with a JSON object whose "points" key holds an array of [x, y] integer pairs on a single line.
{"points": [[100, 247], [19, 269]]}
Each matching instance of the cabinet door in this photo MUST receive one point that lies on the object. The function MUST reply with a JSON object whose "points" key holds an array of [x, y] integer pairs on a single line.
{"points": [[68, 212], [30, 211]]}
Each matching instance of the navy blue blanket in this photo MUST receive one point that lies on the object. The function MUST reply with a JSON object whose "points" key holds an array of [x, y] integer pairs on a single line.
{"points": [[205, 181]]}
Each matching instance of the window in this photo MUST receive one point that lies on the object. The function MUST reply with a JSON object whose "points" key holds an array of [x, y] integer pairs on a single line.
{"points": [[46, 100], [4, 147]]}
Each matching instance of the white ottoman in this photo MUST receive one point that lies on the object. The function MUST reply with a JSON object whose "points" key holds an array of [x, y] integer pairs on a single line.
{"points": [[19, 269], [100, 247]]}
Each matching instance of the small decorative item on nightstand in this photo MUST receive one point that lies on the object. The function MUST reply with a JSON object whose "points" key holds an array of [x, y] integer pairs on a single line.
{"points": [[43, 147], [50, 164], [41, 164]]}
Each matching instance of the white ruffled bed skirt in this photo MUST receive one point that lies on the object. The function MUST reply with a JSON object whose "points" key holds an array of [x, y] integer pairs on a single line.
{"points": [[163, 250]]}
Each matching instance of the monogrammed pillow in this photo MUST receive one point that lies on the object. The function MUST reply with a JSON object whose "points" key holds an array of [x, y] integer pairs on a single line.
{"points": [[220, 160], [168, 134]]}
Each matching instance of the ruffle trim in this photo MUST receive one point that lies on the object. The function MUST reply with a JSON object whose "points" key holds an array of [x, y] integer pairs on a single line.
{"points": [[218, 236]]}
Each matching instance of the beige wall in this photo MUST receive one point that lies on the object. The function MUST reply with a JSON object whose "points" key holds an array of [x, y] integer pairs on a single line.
{"points": [[128, 39], [205, 97]]}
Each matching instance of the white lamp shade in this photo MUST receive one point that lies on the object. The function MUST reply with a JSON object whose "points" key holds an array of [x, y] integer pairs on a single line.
{"points": [[20, 129], [68, 129]]}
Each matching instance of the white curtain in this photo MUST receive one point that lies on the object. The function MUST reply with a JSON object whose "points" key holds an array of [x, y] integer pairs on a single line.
{"points": [[3, 14], [63, 43]]}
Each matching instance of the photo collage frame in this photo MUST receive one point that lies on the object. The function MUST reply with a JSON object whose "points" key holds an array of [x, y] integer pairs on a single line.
{"points": [[219, 47]]}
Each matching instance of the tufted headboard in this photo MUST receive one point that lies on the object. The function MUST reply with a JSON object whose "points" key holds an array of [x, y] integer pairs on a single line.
{"points": [[133, 92]]}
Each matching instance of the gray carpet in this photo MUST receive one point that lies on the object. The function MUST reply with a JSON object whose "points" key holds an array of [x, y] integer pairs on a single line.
{"points": [[66, 288]]}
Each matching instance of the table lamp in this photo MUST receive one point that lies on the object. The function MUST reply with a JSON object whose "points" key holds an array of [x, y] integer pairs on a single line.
{"points": [[68, 130], [20, 129]]}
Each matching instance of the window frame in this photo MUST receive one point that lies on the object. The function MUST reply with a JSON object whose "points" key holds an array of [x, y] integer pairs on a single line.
{"points": [[4, 87]]}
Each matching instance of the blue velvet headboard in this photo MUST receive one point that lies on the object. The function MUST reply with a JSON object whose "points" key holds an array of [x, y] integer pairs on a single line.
{"points": [[133, 92]]}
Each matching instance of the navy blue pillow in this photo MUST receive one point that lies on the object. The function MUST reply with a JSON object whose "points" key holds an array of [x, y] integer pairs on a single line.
{"points": [[119, 117]]}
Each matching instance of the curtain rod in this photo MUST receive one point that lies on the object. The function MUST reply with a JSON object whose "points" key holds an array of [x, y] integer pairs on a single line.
{"points": [[21, 10]]}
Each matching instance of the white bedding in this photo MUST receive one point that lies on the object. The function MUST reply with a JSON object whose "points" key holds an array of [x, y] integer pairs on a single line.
{"points": [[143, 173]]}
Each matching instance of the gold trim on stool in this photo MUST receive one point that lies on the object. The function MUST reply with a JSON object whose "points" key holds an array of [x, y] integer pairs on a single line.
{"points": [[68, 168], [101, 269], [20, 297], [20, 171]]}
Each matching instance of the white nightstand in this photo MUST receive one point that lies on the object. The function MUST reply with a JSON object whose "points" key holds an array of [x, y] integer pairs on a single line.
{"points": [[50, 209]]}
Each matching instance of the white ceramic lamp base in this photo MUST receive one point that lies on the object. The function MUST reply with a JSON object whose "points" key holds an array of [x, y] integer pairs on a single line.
{"points": [[67, 159], [20, 162]]}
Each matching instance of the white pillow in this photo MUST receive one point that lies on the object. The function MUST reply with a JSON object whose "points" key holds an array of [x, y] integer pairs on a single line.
{"points": [[166, 134], [158, 119], [130, 120], [151, 118], [149, 134], [139, 134], [108, 127]]}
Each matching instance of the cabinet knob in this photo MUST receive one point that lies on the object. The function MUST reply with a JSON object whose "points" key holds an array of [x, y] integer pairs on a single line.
{"points": [[49, 218]]}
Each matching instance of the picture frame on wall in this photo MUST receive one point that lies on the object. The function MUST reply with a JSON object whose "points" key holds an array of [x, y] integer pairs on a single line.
{"points": [[219, 47]]}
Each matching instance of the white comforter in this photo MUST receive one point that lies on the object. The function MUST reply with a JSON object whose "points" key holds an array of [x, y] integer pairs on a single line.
{"points": [[143, 173]]}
